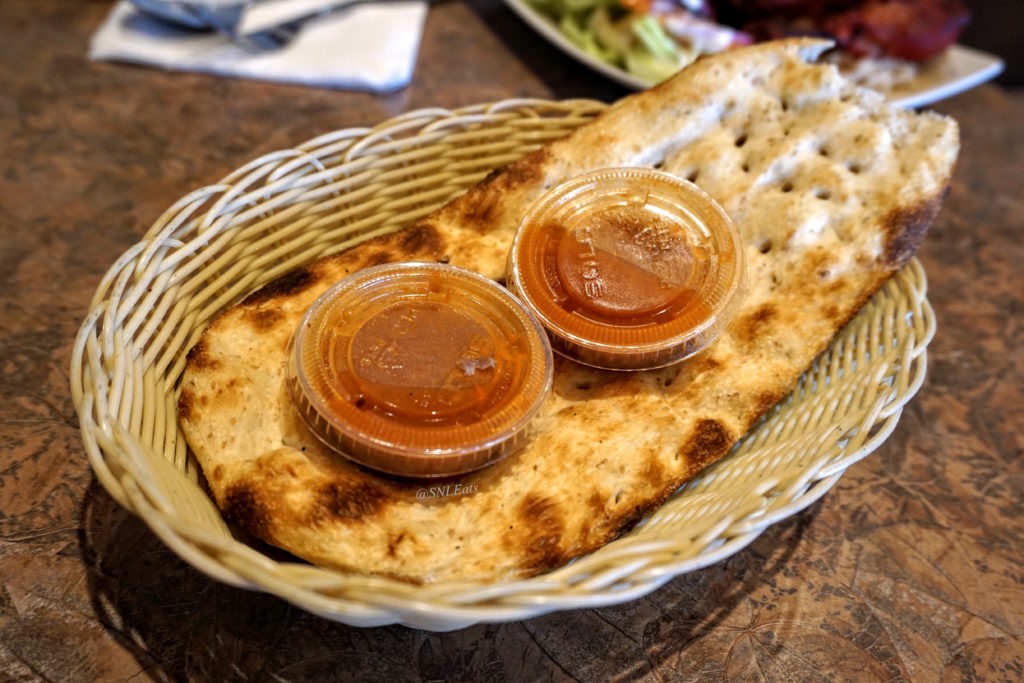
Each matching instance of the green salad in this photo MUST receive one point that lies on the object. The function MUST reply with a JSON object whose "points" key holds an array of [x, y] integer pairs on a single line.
{"points": [[650, 44]]}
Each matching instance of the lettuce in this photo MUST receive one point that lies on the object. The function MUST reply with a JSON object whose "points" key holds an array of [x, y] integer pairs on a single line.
{"points": [[605, 30]]}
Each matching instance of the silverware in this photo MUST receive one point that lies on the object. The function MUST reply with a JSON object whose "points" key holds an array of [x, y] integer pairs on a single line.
{"points": [[193, 15], [225, 18]]}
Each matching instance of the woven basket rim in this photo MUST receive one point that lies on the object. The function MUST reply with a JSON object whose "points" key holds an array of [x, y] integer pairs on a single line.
{"points": [[622, 570]]}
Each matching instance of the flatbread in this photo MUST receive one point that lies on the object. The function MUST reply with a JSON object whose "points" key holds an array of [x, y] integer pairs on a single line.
{"points": [[832, 190]]}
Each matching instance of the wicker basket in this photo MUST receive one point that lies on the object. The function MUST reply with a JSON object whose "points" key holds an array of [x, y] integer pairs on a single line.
{"points": [[291, 207]]}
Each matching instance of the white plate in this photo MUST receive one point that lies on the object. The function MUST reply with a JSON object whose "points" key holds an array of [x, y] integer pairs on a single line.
{"points": [[959, 69]]}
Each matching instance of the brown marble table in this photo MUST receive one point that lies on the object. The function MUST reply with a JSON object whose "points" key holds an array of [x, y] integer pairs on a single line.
{"points": [[910, 568]]}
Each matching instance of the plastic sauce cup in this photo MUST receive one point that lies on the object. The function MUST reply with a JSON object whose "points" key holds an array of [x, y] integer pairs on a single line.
{"points": [[419, 369], [628, 268]]}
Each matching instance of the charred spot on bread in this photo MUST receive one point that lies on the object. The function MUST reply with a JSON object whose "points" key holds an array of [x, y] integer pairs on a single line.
{"points": [[748, 328], [631, 517], [709, 440], [542, 544], [422, 238], [597, 504], [262, 319], [525, 170], [242, 506], [185, 402], [393, 542], [418, 241], [653, 471], [380, 258], [288, 284], [199, 357], [346, 500], [481, 202], [766, 400], [906, 227]]}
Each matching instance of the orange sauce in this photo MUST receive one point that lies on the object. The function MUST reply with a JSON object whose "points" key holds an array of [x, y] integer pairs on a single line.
{"points": [[629, 277], [425, 361]]}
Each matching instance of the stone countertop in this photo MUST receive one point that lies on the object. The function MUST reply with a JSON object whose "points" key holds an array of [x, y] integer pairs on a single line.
{"points": [[910, 568]]}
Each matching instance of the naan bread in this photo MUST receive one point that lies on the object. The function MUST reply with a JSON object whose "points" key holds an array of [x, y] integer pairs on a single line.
{"points": [[832, 190]]}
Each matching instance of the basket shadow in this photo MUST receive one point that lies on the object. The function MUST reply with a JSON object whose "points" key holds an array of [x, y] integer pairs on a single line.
{"points": [[180, 624]]}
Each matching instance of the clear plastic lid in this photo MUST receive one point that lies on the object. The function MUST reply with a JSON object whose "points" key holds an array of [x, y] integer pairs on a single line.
{"points": [[419, 369], [628, 268]]}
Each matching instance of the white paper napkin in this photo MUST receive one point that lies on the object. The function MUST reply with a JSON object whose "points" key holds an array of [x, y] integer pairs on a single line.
{"points": [[369, 47]]}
